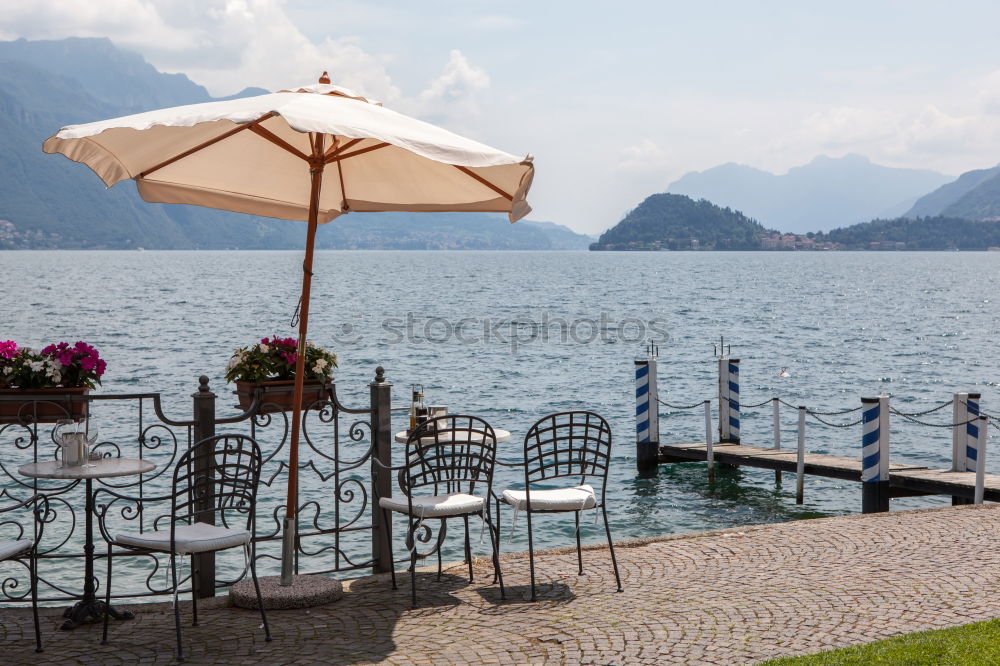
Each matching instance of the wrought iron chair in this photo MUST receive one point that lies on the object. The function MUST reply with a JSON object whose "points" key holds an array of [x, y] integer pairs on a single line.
{"points": [[448, 457], [212, 508], [25, 551], [567, 445]]}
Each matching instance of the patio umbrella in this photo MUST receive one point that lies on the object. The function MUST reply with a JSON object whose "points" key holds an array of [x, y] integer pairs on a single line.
{"points": [[267, 155]]}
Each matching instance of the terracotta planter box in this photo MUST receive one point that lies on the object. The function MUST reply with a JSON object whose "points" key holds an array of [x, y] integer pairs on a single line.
{"points": [[42, 405], [279, 394]]}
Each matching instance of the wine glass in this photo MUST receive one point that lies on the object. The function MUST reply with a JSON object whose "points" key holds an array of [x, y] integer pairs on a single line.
{"points": [[88, 439]]}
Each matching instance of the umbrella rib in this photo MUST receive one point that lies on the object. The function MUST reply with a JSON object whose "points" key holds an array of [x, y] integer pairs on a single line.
{"points": [[278, 141], [335, 149], [340, 173], [485, 182], [337, 157], [205, 144]]}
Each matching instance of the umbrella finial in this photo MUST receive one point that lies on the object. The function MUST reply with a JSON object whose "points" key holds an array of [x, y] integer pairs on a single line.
{"points": [[325, 78]]}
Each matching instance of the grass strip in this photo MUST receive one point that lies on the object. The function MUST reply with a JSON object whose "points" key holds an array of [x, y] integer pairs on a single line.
{"points": [[967, 645]]}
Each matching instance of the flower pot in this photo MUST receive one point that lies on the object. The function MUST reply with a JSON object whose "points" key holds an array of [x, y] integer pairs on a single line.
{"points": [[46, 405], [279, 394]]}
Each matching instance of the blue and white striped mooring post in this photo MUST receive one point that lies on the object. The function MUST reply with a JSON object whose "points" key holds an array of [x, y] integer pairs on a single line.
{"points": [[729, 400], [647, 416], [972, 432], [875, 454], [964, 436]]}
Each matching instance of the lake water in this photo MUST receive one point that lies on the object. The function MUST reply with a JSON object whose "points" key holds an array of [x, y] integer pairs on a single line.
{"points": [[515, 335]]}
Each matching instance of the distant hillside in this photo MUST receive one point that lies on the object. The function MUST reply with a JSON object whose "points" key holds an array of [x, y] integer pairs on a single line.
{"points": [[980, 203], [443, 231], [940, 200], [47, 201], [825, 193], [925, 233], [676, 222]]}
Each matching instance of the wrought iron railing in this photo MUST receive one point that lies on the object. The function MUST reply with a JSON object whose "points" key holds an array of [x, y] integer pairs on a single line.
{"points": [[338, 530]]}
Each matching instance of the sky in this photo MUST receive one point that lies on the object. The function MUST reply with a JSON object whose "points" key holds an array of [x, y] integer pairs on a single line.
{"points": [[614, 100]]}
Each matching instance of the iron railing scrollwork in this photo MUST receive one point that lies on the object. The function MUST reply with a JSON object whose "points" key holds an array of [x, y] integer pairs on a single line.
{"points": [[337, 525]]}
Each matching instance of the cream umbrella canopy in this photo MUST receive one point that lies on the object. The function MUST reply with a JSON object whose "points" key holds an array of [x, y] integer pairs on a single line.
{"points": [[311, 153]]}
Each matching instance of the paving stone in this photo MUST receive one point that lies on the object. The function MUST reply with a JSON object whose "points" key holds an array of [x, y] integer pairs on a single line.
{"points": [[722, 597]]}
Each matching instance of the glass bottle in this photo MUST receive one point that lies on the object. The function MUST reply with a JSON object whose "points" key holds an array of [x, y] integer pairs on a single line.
{"points": [[418, 394], [422, 411]]}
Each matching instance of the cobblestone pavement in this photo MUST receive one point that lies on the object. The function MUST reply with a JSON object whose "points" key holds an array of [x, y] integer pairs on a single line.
{"points": [[724, 597]]}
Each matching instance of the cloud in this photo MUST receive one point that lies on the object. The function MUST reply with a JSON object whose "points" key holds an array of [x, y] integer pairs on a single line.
{"points": [[847, 127], [644, 156], [453, 97], [128, 22], [989, 93], [225, 45], [905, 136]]}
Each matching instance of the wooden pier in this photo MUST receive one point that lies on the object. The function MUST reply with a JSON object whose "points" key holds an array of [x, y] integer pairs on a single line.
{"points": [[904, 480]]}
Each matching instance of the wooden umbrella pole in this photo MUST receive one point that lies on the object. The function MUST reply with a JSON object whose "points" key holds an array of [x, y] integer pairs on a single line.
{"points": [[289, 535]]}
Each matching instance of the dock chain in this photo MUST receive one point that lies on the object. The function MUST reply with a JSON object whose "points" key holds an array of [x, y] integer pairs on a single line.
{"points": [[667, 404], [934, 425], [923, 413], [759, 404]]}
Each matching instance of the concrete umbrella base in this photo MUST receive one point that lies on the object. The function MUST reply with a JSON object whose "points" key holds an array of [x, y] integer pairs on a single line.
{"points": [[304, 592]]}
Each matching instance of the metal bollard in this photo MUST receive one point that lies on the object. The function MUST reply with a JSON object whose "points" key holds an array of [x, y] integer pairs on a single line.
{"points": [[800, 461], [776, 428], [709, 451], [983, 422]]}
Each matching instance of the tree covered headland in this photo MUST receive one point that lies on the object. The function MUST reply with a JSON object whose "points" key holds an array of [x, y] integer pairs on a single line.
{"points": [[677, 222], [925, 233]]}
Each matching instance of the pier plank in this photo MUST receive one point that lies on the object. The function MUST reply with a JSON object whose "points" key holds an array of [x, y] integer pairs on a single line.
{"points": [[904, 478]]}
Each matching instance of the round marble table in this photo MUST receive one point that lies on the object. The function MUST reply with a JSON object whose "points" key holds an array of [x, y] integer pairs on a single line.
{"points": [[96, 469], [89, 608]]}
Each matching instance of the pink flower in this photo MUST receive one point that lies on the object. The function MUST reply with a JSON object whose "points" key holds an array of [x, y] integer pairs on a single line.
{"points": [[101, 365], [8, 349], [88, 363], [65, 358]]}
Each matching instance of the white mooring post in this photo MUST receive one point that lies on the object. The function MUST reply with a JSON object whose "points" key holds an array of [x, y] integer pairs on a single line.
{"points": [[776, 428], [800, 460], [959, 415], [983, 422], [709, 450], [647, 415], [959, 437], [875, 454]]}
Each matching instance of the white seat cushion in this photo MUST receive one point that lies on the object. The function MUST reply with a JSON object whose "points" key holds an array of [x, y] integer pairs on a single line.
{"points": [[197, 538], [435, 506], [556, 499], [14, 548]]}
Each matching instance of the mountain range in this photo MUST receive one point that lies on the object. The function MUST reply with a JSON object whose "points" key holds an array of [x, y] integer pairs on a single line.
{"points": [[48, 201], [825, 193]]}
